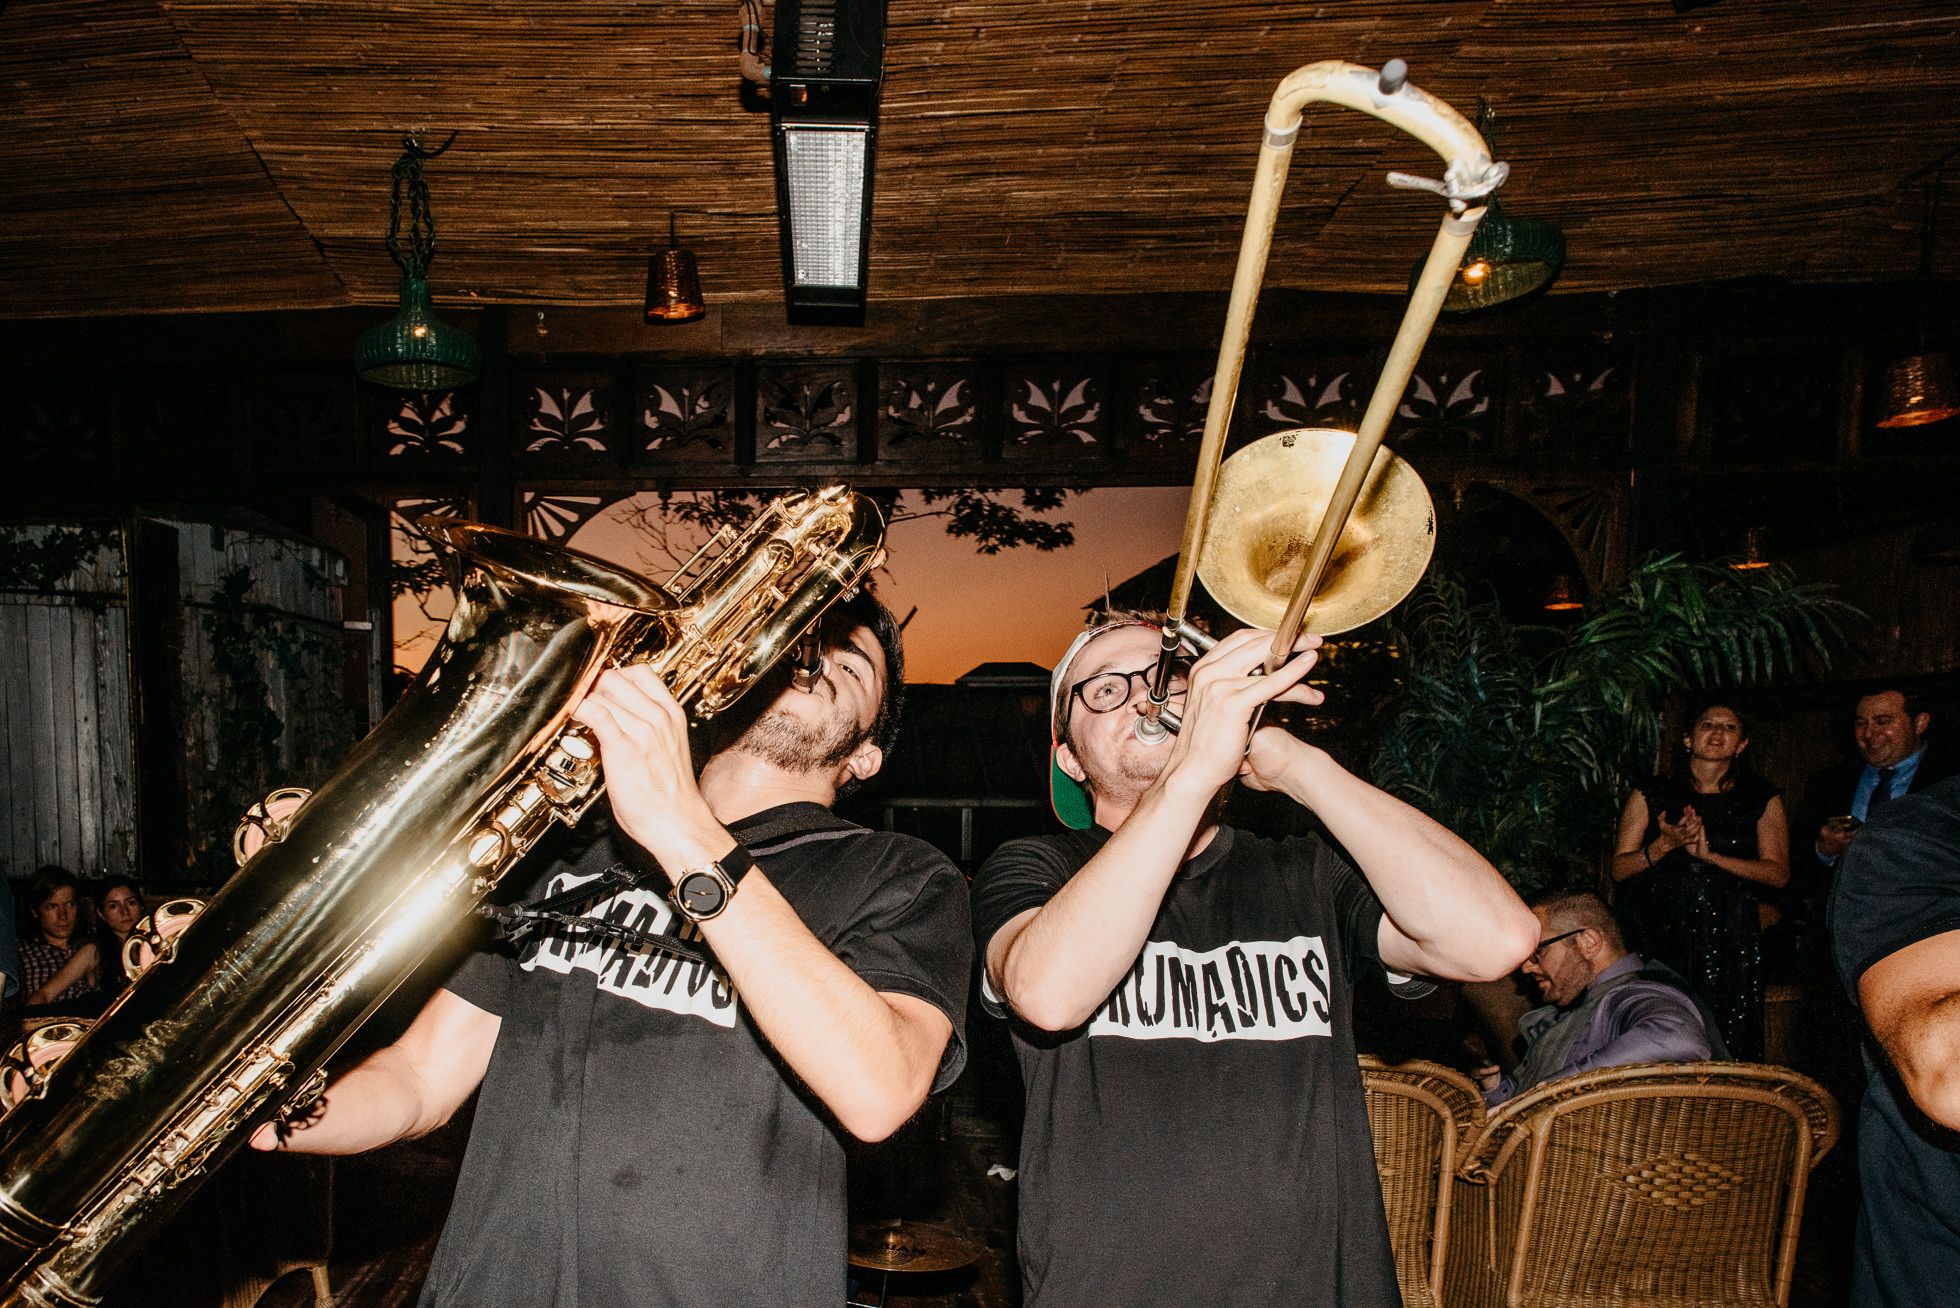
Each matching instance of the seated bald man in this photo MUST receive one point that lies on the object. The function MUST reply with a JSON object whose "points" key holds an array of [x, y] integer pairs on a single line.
{"points": [[1603, 1005], [1182, 992]]}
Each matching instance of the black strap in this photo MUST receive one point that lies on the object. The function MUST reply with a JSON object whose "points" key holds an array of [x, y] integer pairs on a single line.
{"points": [[517, 921]]}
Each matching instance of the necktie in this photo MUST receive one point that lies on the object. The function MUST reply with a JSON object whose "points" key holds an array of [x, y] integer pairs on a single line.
{"points": [[1881, 793]]}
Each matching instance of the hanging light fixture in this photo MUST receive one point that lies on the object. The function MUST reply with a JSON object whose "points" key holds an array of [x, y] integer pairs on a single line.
{"points": [[1755, 552], [828, 67], [415, 350], [673, 283], [1919, 388], [1563, 596], [1507, 257]]}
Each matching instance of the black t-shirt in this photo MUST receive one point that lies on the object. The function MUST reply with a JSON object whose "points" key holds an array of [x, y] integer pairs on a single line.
{"points": [[1204, 1138], [637, 1141], [1899, 884]]}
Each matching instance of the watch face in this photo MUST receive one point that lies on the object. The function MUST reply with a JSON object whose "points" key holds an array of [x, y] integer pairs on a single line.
{"points": [[701, 895]]}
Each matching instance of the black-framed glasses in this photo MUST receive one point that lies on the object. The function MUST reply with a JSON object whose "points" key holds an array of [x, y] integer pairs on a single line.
{"points": [[1108, 691], [1554, 940]]}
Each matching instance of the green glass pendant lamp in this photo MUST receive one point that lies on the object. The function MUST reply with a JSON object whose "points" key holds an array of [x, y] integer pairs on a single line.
{"points": [[1507, 257], [415, 350]]}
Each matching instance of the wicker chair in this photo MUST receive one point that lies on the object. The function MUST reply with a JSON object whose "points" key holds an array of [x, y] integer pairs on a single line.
{"points": [[1420, 1113], [1636, 1187]]}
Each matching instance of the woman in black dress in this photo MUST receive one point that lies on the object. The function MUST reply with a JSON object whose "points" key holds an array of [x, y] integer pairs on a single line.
{"points": [[1696, 849]]}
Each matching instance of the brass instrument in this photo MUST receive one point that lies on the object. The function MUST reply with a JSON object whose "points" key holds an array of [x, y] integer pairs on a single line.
{"points": [[1263, 524], [230, 1025]]}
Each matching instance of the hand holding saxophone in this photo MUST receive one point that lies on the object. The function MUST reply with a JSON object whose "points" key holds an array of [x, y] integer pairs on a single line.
{"points": [[649, 771]]}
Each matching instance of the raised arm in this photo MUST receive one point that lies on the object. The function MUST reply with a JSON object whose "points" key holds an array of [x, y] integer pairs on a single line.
{"points": [[1056, 964], [870, 1056], [1911, 999], [1447, 911], [405, 1090]]}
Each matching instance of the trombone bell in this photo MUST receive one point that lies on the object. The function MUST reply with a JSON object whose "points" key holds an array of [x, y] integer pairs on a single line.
{"points": [[1268, 502]]}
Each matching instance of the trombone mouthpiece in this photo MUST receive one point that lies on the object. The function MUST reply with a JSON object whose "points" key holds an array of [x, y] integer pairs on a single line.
{"points": [[1151, 730]]}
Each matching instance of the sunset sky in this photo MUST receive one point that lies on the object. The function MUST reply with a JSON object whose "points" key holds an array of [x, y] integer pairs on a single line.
{"points": [[1019, 605]]}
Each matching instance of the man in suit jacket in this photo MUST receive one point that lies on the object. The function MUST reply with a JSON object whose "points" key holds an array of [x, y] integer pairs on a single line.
{"points": [[1890, 729]]}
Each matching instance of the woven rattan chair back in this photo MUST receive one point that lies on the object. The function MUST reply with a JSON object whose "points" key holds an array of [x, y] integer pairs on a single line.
{"points": [[1652, 1186], [1420, 1114]]}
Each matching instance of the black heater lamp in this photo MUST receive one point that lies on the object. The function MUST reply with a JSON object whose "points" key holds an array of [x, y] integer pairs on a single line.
{"points": [[829, 61]]}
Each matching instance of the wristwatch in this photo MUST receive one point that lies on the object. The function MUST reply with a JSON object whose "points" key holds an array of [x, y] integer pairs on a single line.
{"points": [[703, 892]]}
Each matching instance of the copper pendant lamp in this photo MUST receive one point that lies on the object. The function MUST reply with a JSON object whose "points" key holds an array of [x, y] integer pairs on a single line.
{"points": [[673, 283], [1919, 388]]}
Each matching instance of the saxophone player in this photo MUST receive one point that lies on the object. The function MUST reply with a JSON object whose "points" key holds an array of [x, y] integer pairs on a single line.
{"points": [[655, 1130]]}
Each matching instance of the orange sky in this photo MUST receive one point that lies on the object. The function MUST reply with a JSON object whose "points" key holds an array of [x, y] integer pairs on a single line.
{"points": [[1016, 606]]}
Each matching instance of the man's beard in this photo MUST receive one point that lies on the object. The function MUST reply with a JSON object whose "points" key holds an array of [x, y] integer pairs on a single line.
{"points": [[797, 746]]}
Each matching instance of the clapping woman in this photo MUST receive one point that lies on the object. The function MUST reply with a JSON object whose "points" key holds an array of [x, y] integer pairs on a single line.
{"points": [[1697, 847]]}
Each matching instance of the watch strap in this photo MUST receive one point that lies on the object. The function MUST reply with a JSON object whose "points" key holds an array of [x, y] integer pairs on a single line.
{"points": [[735, 864]]}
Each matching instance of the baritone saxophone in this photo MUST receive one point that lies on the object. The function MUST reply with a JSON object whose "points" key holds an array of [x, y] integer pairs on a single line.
{"points": [[231, 1025]]}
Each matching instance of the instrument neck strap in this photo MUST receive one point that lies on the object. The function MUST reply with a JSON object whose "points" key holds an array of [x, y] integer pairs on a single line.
{"points": [[518, 920]]}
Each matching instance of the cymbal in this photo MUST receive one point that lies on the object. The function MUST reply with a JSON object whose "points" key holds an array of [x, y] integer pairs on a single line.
{"points": [[1266, 507], [898, 1246]]}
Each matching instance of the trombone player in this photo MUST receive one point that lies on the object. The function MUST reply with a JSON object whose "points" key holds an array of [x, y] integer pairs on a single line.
{"points": [[654, 1130], [1181, 992]]}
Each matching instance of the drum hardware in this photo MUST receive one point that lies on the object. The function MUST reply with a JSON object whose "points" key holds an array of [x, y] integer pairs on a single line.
{"points": [[902, 1246]]}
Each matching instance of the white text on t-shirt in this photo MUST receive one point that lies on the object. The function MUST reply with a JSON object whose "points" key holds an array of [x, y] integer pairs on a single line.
{"points": [[1261, 990]]}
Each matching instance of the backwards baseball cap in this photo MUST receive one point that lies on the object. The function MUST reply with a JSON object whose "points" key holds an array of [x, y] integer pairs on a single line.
{"points": [[1068, 796]]}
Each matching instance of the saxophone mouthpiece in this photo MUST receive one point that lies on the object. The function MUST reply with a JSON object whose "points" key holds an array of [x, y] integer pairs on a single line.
{"points": [[807, 664]]}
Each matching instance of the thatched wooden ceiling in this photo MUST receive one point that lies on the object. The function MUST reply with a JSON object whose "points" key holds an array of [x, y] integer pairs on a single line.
{"points": [[186, 155]]}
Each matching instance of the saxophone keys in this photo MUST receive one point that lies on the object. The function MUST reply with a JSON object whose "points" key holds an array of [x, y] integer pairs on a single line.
{"points": [[490, 844], [266, 822], [155, 937], [25, 1068]]}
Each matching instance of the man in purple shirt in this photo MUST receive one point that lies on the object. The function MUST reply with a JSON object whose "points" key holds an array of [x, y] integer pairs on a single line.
{"points": [[1603, 1006]]}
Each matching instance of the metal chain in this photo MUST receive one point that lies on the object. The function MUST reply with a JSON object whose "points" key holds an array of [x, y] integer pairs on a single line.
{"points": [[407, 175]]}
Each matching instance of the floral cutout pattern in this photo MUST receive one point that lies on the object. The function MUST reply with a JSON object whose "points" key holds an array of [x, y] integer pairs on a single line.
{"points": [[1168, 413], [428, 426], [1583, 409], [799, 414], [1320, 399], [1055, 411], [1446, 410], [930, 410], [686, 413], [565, 420], [66, 430]]}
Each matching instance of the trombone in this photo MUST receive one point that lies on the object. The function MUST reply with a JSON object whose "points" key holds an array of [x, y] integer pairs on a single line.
{"points": [[1469, 176]]}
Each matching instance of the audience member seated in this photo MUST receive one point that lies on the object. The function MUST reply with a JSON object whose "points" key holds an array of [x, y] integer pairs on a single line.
{"points": [[1603, 1005], [99, 961], [53, 917]]}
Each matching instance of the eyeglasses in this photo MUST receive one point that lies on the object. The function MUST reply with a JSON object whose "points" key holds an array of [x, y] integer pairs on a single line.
{"points": [[1108, 691], [1554, 940]]}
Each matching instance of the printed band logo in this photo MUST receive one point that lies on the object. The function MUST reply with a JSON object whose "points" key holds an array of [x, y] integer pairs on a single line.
{"points": [[634, 971], [1264, 990]]}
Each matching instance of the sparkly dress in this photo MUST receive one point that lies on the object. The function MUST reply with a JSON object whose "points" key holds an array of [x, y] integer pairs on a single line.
{"points": [[1702, 921]]}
